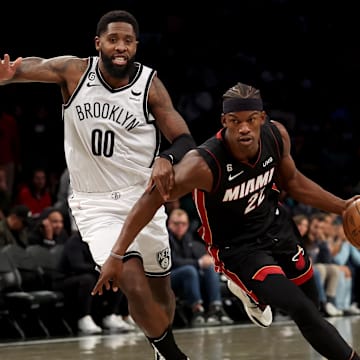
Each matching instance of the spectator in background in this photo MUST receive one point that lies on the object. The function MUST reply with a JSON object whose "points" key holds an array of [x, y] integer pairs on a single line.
{"points": [[319, 252], [79, 268], [13, 228], [35, 195], [193, 270], [302, 223], [9, 145], [347, 257], [63, 193], [49, 229], [5, 196]]}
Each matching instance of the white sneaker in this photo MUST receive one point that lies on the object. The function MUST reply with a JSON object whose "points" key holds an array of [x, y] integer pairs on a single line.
{"points": [[262, 318], [332, 310], [353, 309], [130, 321], [86, 325], [114, 322]]}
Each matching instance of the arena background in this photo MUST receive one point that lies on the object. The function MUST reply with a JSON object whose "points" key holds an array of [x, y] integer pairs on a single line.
{"points": [[303, 55]]}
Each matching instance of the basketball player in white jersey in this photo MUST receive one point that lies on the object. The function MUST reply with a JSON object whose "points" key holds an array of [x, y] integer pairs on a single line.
{"points": [[113, 110]]}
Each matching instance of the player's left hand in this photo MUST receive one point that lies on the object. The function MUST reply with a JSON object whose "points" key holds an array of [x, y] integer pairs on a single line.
{"points": [[8, 68], [350, 201], [110, 276], [162, 177]]}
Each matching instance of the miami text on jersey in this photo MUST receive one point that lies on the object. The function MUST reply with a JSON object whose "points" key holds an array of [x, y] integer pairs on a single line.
{"points": [[249, 186]]}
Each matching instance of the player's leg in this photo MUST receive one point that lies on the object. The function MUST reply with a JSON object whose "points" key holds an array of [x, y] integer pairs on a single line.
{"points": [[164, 295], [142, 305], [229, 259], [151, 253], [152, 316], [259, 314], [281, 293]]}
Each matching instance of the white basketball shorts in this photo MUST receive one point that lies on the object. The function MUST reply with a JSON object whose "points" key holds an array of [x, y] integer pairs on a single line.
{"points": [[100, 217]]}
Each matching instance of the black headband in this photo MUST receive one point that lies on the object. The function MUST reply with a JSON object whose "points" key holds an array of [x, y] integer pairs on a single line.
{"points": [[236, 104]]}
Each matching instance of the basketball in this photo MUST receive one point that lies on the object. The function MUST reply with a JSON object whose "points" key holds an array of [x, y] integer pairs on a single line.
{"points": [[351, 222]]}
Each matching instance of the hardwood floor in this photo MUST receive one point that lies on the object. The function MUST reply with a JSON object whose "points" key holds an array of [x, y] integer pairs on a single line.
{"points": [[281, 340]]}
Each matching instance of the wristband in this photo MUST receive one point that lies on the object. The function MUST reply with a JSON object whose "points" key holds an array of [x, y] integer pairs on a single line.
{"points": [[117, 256], [181, 145]]}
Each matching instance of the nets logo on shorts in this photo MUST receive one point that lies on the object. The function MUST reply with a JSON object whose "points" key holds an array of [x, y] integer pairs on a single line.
{"points": [[163, 258]]}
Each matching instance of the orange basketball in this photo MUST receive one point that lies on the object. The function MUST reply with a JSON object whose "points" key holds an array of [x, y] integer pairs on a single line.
{"points": [[351, 221]]}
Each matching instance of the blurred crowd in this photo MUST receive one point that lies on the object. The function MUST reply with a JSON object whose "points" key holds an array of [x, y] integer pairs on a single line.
{"points": [[304, 65]]}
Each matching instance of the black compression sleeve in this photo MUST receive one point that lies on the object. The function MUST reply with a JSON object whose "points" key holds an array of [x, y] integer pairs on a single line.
{"points": [[179, 147]]}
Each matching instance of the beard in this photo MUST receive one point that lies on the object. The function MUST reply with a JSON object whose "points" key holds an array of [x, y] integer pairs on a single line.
{"points": [[115, 70]]}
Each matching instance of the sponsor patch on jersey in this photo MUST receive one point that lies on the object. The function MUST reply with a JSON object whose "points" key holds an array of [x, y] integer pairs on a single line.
{"points": [[234, 176], [135, 93], [163, 258], [268, 161], [91, 76], [91, 85]]}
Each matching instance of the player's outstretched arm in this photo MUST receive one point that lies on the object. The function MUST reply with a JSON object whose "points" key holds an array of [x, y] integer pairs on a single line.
{"points": [[192, 172], [59, 70]]}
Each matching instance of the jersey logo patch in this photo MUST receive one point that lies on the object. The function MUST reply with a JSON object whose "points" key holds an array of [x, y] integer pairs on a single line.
{"points": [[163, 258], [232, 177], [92, 76], [90, 84], [115, 195], [299, 259], [268, 161], [135, 93]]}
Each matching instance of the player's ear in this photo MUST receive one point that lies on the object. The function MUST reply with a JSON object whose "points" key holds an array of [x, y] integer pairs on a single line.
{"points": [[263, 117], [97, 43], [223, 119]]}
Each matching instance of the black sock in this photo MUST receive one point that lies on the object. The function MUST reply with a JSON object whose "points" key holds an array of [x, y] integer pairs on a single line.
{"points": [[166, 346]]}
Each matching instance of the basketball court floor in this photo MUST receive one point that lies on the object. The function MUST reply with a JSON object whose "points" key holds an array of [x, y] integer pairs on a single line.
{"points": [[281, 340]]}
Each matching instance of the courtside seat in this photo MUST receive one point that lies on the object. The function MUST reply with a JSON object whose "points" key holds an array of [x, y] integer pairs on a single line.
{"points": [[16, 305], [33, 281]]}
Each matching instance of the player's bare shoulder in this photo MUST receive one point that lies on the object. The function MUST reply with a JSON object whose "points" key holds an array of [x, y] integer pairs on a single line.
{"points": [[69, 67], [284, 134], [279, 125], [158, 94], [76, 64]]}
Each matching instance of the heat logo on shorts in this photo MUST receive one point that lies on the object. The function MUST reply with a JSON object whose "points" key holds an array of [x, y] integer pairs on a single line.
{"points": [[299, 258]]}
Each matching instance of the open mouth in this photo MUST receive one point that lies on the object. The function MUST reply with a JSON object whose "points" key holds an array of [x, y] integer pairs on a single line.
{"points": [[119, 60]]}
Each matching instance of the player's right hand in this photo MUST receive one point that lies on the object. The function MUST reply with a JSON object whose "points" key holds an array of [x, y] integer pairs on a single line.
{"points": [[163, 177], [110, 276], [8, 68]]}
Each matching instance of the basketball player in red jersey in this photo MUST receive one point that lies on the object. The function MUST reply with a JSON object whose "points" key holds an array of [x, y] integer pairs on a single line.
{"points": [[236, 177]]}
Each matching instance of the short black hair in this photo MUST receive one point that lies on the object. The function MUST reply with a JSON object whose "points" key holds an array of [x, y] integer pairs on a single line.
{"points": [[242, 91], [117, 16], [22, 212]]}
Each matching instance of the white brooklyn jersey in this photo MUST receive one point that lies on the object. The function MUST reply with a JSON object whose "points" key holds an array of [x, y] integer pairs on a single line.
{"points": [[110, 137]]}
